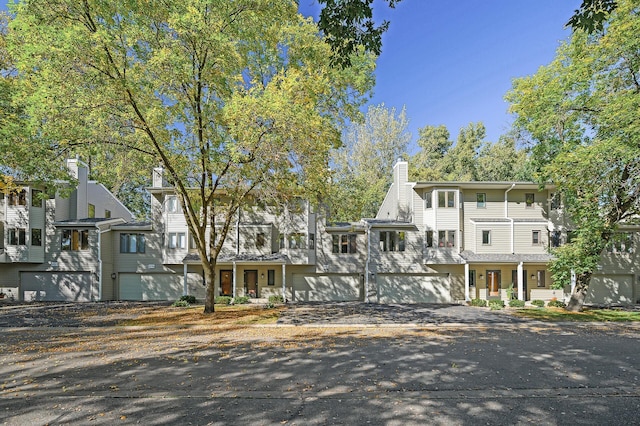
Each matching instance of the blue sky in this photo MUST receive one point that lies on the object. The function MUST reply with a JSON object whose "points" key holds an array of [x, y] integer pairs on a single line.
{"points": [[451, 62]]}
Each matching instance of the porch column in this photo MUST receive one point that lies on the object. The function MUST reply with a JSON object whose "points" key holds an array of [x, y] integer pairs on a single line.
{"points": [[234, 280], [185, 289], [520, 282], [466, 282], [284, 283]]}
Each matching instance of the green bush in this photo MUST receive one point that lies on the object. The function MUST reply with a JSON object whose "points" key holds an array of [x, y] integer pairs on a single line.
{"points": [[241, 300], [276, 298], [515, 303], [189, 299], [496, 304], [538, 303], [269, 305], [222, 300], [478, 302], [556, 304], [181, 304]]}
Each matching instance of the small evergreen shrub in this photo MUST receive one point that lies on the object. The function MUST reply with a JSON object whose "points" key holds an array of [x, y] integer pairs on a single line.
{"points": [[222, 300], [496, 304], [276, 298], [515, 303], [240, 300], [189, 299], [538, 303], [478, 302], [181, 304], [556, 304]]}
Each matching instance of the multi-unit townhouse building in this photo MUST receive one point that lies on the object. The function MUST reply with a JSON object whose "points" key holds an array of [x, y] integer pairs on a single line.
{"points": [[436, 242]]}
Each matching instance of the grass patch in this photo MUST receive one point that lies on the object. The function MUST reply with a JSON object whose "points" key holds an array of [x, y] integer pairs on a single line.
{"points": [[587, 315], [224, 315]]}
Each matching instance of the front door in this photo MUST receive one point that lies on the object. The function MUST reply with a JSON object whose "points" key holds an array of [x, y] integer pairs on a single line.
{"points": [[493, 283], [226, 283], [251, 283]]}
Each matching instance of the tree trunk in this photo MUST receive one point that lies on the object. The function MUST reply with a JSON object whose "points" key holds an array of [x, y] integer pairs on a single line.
{"points": [[209, 279], [579, 293]]}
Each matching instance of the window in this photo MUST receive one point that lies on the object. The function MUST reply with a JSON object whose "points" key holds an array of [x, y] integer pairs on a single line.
{"points": [[132, 243], [529, 199], [281, 241], [271, 277], [107, 214], [36, 237], [75, 239], [17, 236], [556, 238], [481, 200], [36, 198], [92, 210], [171, 204], [312, 241], [472, 278], [486, 238], [442, 199], [260, 240], [429, 238], [392, 241], [296, 241], [451, 199], [446, 199], [535, 238], [428, 200], [18, 198], [541, 278], [344, 243], [446, 239], [555, 201], [177, 240]]}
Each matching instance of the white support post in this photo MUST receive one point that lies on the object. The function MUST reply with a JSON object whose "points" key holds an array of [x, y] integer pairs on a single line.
{"points": [[284, 283], [234, 279], [466, 282], [520, 282], [185, 289]]}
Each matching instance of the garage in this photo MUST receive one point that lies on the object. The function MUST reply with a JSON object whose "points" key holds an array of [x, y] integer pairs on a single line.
{"points": [[610, 290], [327, 287], [58, 286], [144, 287], [427, 288]]}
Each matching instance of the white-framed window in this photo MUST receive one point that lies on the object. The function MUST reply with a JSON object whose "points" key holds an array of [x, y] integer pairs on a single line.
{"points": [[260, 240], [36, 237], [535, 238], [17, 236], [446, 199], [392, 241], [429, 238], [171, 204], [18, 198], [281, 240], [177, 240], [481, 200], [75, 239], [428, 200], [297, 240], [271, 277], [132, 243], [486, 237], [541, 278], [344, 243], [529, 199], [446, 239]]}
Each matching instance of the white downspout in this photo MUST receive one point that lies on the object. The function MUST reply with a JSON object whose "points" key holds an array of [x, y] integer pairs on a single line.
{"points": [[506, 215], [466, 282]]}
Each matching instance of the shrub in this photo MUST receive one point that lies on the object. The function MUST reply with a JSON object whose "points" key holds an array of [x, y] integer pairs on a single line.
{"points": [[276, 298], [496, 304], [556, 304], [240, 300], [538, 303], [181, 304], [515, 303], [189, 299], [269, 305], [222, 300], [478, 302]]}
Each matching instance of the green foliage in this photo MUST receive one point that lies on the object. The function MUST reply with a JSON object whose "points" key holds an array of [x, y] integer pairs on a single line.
{"points": [[538, 303], [556, 304], [222, 300], [478, 302], [269, 305], [181, 304], [241, 300], [276, 298], [189, 299], [496, 305], [515, 303], [511, 294], [592, 15]]}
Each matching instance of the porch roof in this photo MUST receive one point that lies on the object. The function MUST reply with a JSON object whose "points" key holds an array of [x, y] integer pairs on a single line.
{"points": [[471, 257], [277, 258]]}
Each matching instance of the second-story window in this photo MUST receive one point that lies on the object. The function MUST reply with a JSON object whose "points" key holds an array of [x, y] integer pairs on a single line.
{"points": [[555, 201], [177, 240], [75, 239], [486, 238], [392, 241], [535, 238], [446, 199], [171, 204], [344, 243], [260, 240], [428, 200], [529, 199], [17, 236], [36, 237], [481, 200], [446, 239], [429, 238], [18, 198], [281, 241], [132, 243], [297, 241], [92, 210], [107, 214], [36, 198]]}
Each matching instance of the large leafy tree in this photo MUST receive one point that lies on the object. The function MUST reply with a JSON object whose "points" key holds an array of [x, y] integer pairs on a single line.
{"points": [[362, 167], [583, 110], [235, 99]]}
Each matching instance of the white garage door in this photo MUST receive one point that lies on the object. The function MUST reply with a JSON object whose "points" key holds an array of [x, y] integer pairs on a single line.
{"points": [[150, 286], [58, 286], [326, 288], [610, 290], [393, 288]]}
